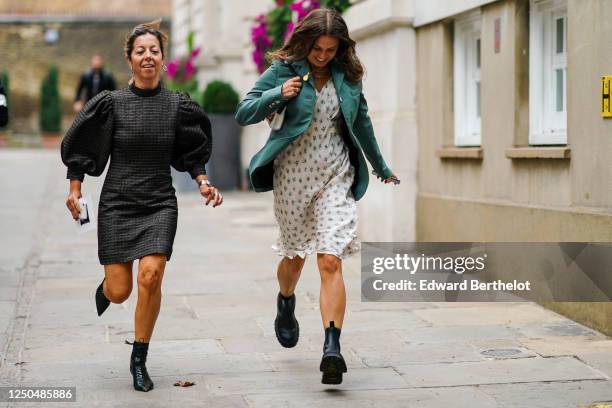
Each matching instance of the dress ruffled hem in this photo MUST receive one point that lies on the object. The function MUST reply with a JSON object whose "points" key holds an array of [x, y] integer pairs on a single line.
{"points": [[353, 247]]}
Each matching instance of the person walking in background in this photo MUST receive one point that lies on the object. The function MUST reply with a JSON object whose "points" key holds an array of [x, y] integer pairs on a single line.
{"points": [[145, 129], [92, 82], [314, 164], [3, 107]]}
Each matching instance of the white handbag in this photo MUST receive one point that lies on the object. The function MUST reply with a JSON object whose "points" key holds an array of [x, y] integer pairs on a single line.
{"points": [[277, 121]]}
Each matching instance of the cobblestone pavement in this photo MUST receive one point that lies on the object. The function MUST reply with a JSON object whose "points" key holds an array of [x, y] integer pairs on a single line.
{"points": [[216, 321]]}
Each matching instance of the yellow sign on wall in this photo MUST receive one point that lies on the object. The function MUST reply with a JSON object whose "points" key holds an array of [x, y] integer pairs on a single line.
{"points": [[606, 107]]}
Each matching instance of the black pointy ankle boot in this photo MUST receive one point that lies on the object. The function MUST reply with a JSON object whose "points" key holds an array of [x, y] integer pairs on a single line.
{"points": [[286, 326], [142, 381], [332, 364], [102, 301]]}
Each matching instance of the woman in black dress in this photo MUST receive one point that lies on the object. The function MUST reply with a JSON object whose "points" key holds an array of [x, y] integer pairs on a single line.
{"points": [[145, 129]]}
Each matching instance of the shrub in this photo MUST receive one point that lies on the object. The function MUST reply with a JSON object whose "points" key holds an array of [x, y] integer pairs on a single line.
{"points": [[50, 109], [220, 97]]}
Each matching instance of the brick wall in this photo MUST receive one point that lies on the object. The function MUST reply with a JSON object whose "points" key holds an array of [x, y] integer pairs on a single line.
{"points": [[27, 58]]}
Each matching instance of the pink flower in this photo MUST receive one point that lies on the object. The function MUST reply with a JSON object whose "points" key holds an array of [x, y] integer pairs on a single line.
{"points": [[173, 68], [304, 7], [189, 70], [261, 41], [257, 58], [289, 30], [301, 9], [195, 52]]}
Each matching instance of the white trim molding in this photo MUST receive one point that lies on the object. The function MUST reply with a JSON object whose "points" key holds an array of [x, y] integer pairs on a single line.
{"points": [[548, 72], [429, 11], [372, 17], [466, 79]]}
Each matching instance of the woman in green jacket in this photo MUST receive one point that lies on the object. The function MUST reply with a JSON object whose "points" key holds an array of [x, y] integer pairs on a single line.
{"points": [[314, 163]]}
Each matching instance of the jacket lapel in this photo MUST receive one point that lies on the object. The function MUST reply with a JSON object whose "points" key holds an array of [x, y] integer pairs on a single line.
{"points": [[301, 68], [338, 77]]}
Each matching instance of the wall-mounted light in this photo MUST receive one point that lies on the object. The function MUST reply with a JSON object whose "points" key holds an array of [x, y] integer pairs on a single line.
{"points": [[51, 35]]}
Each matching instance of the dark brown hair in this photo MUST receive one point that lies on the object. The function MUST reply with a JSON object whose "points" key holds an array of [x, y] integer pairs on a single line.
{"points": [[320, 22], [147, 28]]}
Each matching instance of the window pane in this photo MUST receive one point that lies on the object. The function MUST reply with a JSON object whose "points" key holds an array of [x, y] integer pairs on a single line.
{"points": [[559, 90], [478, 99], [478, 53], [560, 36]]}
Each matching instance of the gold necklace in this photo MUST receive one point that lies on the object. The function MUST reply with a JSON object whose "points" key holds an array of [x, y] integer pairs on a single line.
{"points": [[321, 75], [319, 71]]}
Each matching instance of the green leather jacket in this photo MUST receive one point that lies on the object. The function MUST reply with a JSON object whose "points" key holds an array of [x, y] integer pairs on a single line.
{"points": [[265, 98]]}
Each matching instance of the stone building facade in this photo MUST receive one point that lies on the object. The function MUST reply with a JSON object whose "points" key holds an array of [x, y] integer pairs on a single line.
{"points": [[520, 151]]}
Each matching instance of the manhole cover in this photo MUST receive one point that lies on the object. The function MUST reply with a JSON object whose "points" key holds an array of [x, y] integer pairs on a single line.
{"points": [[501, 352]]}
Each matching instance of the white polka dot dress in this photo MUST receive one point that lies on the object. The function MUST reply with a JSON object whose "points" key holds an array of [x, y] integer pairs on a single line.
{"points": [[313, 202]]}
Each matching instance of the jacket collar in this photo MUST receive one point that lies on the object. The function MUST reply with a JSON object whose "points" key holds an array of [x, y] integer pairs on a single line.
{"points": [[302, 68]]}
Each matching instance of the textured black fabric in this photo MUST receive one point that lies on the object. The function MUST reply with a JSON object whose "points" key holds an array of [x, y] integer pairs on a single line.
{"points": [[144, 132]]}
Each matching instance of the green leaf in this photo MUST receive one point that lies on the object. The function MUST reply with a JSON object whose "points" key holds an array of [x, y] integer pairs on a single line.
{"points": [[190, 41]]}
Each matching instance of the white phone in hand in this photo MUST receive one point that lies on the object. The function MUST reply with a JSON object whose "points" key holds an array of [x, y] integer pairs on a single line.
{"points": [[84, 214], [87, 220]]}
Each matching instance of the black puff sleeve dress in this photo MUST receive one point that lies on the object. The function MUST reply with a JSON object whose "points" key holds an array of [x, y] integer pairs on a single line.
{"points": [[144, 132]]}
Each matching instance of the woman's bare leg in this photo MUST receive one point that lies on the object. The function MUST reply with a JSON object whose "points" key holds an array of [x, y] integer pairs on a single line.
{"points": [[118, 282], [150, 273], [288, 274], [332, 298]]}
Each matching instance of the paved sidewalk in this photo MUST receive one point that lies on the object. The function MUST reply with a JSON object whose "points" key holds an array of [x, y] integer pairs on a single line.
{"points": [[216, 321]]}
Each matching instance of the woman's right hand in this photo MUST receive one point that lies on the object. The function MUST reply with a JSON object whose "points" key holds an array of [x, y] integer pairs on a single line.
{"points": [[72, 202], [291, 88]]}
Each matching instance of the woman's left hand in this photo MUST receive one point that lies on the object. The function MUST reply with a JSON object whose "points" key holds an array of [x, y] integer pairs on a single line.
{"points": [[393, 179], [211, 194]]}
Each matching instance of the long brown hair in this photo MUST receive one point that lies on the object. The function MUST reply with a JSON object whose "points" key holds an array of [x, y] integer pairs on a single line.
{"points": [[320, 22]]}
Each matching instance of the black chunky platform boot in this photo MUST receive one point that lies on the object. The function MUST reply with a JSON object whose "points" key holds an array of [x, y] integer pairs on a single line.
{"points": [[286, 326], [102, 301], [142, 381], [332, 364]]}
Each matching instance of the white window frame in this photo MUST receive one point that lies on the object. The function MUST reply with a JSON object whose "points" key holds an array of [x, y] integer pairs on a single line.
{"points": [[547, 125], [467, 60]]}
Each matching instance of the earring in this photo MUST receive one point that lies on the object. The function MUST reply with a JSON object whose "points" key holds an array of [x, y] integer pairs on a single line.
{"points": [[132, 70], [164, 68]]}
